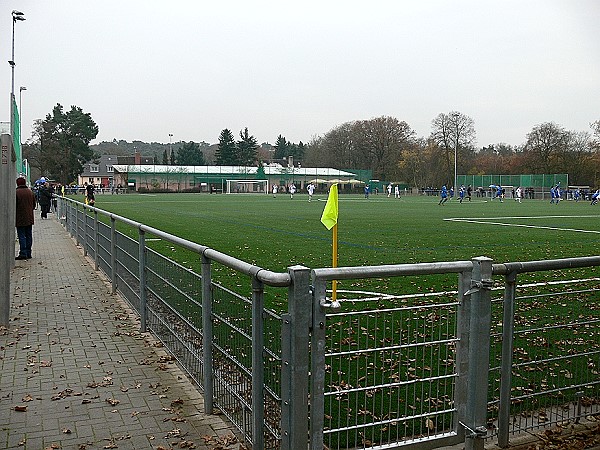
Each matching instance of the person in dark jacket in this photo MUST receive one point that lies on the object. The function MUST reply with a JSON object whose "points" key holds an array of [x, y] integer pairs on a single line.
{"points": [[24, 218], [44, 199]]}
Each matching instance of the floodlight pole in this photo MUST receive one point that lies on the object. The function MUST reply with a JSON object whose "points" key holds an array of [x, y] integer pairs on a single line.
{"points": [[455, 117], [16, 15], [455, 176]]}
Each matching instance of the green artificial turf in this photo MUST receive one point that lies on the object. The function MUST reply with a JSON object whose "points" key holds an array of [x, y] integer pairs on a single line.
{"points": [[275, 233]]}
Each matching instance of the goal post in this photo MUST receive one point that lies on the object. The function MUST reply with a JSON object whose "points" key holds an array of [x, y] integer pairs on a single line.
{"points": [[247, 186]]}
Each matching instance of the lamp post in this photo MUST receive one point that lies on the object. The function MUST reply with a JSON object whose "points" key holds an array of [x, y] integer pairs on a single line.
{"points": [[16, 15], [455, 116], [455, 175], [170, 147]]}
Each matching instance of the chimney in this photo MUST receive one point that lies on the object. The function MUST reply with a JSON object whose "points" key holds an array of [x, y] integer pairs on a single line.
{"points": [[137, 158]]}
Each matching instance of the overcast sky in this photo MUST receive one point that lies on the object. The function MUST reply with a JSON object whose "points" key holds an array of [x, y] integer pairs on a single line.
{"points": [[145, 69]]}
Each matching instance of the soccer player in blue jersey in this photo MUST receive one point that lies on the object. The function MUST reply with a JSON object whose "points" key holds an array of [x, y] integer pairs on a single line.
{"points": [[499, 193], [444, 195]]}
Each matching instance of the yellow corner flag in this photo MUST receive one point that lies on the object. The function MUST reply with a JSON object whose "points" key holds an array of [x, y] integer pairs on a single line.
{"points": [[330, 212]]}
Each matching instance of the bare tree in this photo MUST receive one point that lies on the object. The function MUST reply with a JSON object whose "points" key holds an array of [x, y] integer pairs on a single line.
{"points": [[455, 134], [376, 144], [546, 143], [383, 140], [419, 164], [339, 146], [315, 156], [577, 160], [595, 126]]}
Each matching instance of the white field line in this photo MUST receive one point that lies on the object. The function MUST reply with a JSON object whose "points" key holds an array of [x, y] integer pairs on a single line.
{"points": [[540, 227], [380, 296]]}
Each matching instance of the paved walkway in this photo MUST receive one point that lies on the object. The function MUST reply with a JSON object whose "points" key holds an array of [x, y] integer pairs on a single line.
{"points": [[76, 373]]}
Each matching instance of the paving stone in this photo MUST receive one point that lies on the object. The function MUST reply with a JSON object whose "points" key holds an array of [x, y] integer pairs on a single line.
{"points": [[74, 359]]}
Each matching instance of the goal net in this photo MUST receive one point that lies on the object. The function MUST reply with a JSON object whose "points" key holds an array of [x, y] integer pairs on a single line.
{"points": [[247, 186]]}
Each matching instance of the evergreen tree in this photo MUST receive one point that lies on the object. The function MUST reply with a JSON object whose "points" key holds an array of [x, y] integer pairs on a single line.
{"points": [[190, 155], [165, 159], [226, 149], [281, 148], [173, 160], [246, 149], [64, 143]]}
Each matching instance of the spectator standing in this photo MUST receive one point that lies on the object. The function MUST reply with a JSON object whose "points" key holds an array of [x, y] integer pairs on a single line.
{"points": [[44, 199], [24, 218], [53, 200]]}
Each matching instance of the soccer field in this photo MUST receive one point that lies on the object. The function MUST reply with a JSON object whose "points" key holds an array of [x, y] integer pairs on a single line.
{"points": [[408, 324], [275, 233]]}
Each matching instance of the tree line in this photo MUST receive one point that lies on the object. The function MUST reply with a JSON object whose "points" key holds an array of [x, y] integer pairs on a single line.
{"points": [[393, 152], [59, 148]]}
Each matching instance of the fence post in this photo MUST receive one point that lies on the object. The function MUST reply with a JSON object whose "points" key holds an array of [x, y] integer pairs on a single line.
{"points": [[207, 335], [317, 367], [85, 233], [508, 325], [70, 218], [294, 384], [462, 353], [96, 240], [142, 273], [479, 299], [74, 219], [258, 365], [113, 254]]}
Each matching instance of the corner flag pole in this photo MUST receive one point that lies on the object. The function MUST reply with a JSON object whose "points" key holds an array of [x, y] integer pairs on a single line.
{"points": [[329, 218], [335, 262]]}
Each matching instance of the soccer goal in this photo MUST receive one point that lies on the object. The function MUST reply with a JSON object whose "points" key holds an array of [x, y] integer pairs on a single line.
{"points": [[247, 186]]}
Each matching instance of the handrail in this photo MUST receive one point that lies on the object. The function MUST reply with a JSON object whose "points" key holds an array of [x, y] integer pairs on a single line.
{"points": [[391, 270], [270, 278], [550, 264]]}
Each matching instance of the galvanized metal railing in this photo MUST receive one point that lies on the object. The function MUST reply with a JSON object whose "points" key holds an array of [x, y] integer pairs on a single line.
{"points": [[395, 369], [545, 378], [227, 342]]}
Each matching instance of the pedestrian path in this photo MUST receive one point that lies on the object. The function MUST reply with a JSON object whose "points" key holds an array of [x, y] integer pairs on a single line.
{"points": [[75, 371]]}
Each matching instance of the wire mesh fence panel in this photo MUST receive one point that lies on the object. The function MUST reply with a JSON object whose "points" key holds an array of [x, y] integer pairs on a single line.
{"points": [[232, 349], [272, 378], [555, 353], [80, 227], [390, 371], [88, 241], [232, 353], [175, 311], [104, 244], [127, 272]]}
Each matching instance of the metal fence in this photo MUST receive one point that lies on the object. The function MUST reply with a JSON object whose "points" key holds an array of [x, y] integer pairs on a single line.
{"points": [[481, 359]]}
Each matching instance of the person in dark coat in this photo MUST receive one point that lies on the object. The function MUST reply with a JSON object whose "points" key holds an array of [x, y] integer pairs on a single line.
{"points": [[24, 218], [44, 199]]}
